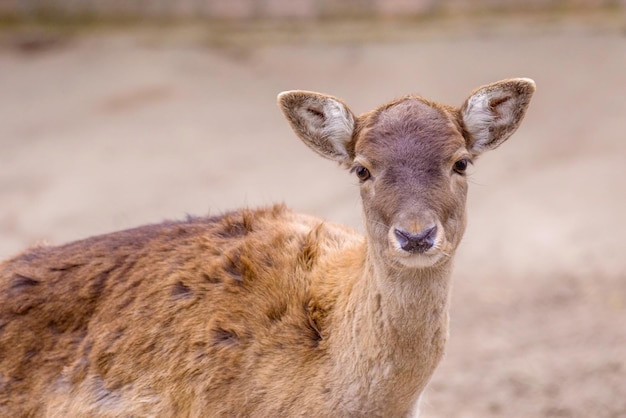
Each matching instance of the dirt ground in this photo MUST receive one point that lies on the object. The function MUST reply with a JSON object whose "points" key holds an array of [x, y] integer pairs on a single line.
{"points": [[107, 129]]}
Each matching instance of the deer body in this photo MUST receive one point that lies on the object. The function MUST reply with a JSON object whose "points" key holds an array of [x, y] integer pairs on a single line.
{"points": [[263, 312]]}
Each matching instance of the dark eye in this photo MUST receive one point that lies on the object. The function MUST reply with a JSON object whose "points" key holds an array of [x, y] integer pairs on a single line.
{"points": [[362, 173], [461, 165]]}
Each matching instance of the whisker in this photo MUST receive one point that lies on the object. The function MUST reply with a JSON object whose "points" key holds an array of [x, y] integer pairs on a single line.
{"points": [[439, 248], [381, 224]]}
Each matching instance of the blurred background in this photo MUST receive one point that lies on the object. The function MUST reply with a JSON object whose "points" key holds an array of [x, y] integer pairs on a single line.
{"points": [[119, 113]]}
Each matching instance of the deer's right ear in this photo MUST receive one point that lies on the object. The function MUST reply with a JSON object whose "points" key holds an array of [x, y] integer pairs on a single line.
{"points": [[493, 112], [323, 123]]}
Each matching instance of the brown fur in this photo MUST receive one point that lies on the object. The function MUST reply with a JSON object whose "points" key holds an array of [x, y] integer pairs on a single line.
{"points": [[254, 313]]}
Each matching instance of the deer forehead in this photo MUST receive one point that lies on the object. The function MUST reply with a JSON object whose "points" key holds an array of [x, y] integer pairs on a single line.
{"points": [[410, 129]]}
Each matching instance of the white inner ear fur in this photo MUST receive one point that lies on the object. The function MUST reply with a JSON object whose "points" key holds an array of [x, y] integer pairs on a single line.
{"points": [[338, 127], [478, 117], [493, 112], [322, 122]]}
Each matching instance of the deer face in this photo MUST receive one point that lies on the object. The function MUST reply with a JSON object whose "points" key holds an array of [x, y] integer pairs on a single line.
{"points": [[410, 157]]}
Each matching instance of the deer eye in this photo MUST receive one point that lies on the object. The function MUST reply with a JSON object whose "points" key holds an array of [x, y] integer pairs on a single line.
{"points": [[362, 173], [461, 166]]}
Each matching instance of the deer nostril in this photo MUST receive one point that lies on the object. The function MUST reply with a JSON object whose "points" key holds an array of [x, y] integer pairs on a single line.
{"points": [[416, 243]]}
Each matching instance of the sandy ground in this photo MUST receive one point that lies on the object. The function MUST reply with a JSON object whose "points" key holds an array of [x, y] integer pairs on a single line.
{"points": [[112, 129]]}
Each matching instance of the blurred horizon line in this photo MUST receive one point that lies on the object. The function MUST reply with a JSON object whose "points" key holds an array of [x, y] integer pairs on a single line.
{"points": [[242, 11]]}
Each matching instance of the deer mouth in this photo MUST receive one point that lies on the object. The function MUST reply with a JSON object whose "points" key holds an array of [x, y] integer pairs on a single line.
{"points": [[420, 260]]}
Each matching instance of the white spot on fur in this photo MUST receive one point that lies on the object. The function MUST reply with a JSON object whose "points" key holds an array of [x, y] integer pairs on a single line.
{"points": [[91, 397]]}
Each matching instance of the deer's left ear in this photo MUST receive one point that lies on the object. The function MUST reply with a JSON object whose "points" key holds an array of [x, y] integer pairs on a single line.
{"points": [[492, 113], [324, 123]]}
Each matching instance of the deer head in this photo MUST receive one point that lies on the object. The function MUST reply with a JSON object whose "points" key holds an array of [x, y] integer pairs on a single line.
{"points": [[410, 157]]}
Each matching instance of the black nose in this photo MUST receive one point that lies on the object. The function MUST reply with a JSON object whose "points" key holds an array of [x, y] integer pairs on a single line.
{"points": [[416, 243]]}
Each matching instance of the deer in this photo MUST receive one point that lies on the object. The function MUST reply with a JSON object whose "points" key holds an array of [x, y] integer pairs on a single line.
{"points": [[264, 312]]}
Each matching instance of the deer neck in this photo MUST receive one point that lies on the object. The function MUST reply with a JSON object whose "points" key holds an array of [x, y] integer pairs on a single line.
{"points": [[395, 321], [411, 308]]}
